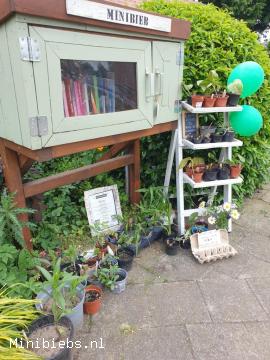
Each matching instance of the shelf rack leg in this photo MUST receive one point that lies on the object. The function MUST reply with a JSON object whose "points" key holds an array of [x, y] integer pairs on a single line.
{"points": [[228, 188], [170, 161]]}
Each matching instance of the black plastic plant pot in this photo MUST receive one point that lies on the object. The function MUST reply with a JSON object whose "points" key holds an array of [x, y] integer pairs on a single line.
{"points": [[189, 101], [125, 258], [171, 246], [69, 267], [228, 136], [216, 138], [233, 100], [185, 244], [223, 174], [196, 140], [47, 321], [210, 175]]}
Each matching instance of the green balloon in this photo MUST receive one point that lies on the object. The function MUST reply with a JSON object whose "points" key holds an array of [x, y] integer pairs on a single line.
{"points": [[246, 122], [252, 76]]}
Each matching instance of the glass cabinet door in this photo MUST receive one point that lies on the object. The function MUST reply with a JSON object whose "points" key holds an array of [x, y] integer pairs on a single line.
{"points": [[167, 80], [92, 86]]}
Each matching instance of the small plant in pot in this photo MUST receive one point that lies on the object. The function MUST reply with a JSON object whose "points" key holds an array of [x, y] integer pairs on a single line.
{"points": [[70, 259], [218, 135], [223, 172], [210, 173], [64, 293], [207, 131], [197, 139], [98, 235], [235, 90], [194, 167], [228, 135], [113, 278], [92, 301], [195, 100], [125, 256]]}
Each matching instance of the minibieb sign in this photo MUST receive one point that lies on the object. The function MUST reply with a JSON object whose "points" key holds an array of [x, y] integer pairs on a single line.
{"points": [[105, 12]]}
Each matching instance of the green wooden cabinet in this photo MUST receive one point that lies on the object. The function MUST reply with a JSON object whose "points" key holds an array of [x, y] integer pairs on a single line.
{"points": [[63, 83]]}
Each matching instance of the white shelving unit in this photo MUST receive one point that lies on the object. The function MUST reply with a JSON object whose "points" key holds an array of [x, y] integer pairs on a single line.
{"points": [[179, 144]]}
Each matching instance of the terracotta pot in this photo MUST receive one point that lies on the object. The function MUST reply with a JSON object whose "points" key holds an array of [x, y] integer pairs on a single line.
{"points": [[209, 101], [189, 171], [221, 101], [92, 307], [235, 171], [197, 177], [197, 100]]}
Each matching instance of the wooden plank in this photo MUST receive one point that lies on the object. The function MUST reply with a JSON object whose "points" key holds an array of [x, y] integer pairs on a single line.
{"points": [[68, 149], [37, 155], [25, 163], [134, 173], [68, 177], [114, 150], [14, 184], [56, 10]]}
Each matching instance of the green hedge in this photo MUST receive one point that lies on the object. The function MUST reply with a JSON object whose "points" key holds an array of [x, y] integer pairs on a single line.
{"points": [[220, 42]]}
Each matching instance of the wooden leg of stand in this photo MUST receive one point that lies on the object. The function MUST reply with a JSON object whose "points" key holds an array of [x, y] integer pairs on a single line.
{"points": [[134, 173], [13, 179]]}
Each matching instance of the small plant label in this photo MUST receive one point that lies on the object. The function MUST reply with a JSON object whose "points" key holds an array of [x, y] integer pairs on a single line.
{"points": [[209, 239], [103, 206]]}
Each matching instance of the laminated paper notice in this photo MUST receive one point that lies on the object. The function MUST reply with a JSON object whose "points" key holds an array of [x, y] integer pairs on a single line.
{"points": [[209, 239]]}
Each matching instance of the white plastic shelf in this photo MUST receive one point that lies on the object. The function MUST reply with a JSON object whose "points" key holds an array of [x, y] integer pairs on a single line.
{"points": [[204, 184], [207, 110], [190, 145]]}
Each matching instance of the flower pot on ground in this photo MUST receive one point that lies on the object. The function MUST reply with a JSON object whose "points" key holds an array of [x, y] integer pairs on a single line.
{"points": [[209, 101], [172, 246], [107, 261], [46, 329], [120, 284], [125, 257], [235, 170], [228, 135], [235, 90], [62, 294], [221, 100], [197, 101], [92, 301]]}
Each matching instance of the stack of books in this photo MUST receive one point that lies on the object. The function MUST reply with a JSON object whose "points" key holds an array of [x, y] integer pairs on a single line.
{"points": [[88, 95]]}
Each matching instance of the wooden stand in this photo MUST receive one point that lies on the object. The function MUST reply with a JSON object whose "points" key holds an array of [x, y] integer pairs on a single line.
{"points": [[17, 160]]}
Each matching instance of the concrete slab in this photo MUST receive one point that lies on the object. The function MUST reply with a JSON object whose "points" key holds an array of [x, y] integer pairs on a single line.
{"points": [[222, 342], [261, 287], [231, 301]]}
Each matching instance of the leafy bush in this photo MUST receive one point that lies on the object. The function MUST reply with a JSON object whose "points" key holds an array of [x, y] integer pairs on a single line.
{"points": [[220, 42]]}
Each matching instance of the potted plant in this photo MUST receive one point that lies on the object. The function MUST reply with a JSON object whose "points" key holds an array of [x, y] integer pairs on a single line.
{"points": [[193, 99], [207, 130], [210, 173], [218, 135], [223, 172], [218, 98], [92, 301], [113, 278], [235, 90], [98, 236], [125, 256], [206, 139], [228, 135], [218, 216], [236, 169], [197, 139], [62, 292], [70, 258], [195, 168]]}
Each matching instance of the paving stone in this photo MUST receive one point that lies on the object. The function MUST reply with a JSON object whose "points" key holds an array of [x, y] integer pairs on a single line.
{"points": [[259, 335], [231, 301], [261, 287], [222, 342]]}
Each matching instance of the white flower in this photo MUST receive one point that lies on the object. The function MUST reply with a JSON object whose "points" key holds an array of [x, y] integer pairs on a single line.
{"points": [[235, 215], [227, 206], [211, 220], [202, 205]]}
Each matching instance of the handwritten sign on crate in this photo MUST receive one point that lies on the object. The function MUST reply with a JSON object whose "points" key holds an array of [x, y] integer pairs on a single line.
{"points": [[209, 239], [190, 124]]}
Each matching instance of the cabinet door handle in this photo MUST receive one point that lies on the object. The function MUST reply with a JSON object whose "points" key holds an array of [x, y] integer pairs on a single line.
{"points": [[149, 85], [159, 82]]}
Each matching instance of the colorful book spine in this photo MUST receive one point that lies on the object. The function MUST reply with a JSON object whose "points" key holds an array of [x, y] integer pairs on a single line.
{"points": [[65, 103], [86, 98], [67, 83], [96, 95]]}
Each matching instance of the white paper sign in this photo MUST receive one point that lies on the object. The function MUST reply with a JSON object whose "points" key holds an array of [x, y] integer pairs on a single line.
{"points": [[209, 239], [114, 14], [103, 206]]}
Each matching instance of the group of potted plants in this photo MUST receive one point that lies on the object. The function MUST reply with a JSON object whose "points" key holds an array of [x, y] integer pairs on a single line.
{"points": [[212, 93], [197, 170], [211, 134]]}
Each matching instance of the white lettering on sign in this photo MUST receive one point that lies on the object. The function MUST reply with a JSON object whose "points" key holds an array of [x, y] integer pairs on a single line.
{"points": [[209, 239], [104, 12]]}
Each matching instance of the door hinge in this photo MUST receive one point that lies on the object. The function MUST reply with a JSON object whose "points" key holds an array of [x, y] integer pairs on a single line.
{"points": [[39, 126], [29, 48]]}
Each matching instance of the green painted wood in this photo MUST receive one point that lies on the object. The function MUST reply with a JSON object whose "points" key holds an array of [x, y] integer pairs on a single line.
{"points": [[165, 62], [24, 82], [76, 46], [9, 119]]}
